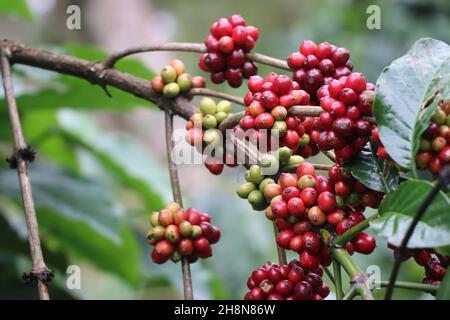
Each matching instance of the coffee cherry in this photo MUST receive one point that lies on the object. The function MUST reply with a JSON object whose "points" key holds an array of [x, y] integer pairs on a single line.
{"points": [[309, 196], [296, 207], [173, 234], [316, 216], [256, 199], [284, 238], [280, 209], [309, 260], [171, 90], [344, 225], [364, 243], [296, 243], [165, 218], [158, 258], [158, 84], [326, 201], [311, 242], [303, 291], [164, 248], [168, 74]]}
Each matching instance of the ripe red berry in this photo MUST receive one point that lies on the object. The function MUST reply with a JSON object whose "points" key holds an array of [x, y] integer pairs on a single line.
{"points": [[303, 291], [308, 47], [344, 225], [311, 242], [296, 243], [305, 168], [309, 260], [309, 196], [291, 192], [314, 280], [364, 243], [186, 247], [326, 201], [164, 248], [284, 287], [280, 209], [296, 207], [284, 238]]}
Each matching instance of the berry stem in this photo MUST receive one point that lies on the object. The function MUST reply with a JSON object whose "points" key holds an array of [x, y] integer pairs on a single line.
{"points": [[217, 94], [443, 181], [188, 47], [176, 190], [282, 260], [21, 164], [412, 286], [338, 280], [342, 239], [305, 110], [358, 278], [351, 293]]}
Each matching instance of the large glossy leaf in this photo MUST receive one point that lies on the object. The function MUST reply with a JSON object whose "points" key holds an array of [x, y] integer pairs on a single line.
{"points": [[372, 171], [77, 216], [123, 155], [403, 90], [444, 290], [398, 209], [18, 8]]}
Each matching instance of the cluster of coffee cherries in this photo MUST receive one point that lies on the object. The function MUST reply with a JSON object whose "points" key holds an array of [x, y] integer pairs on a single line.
{"points": [[173, 80], [318, 64], [178, 233], [301, 204], [202, 131], [256, 178], [435, 264], [267, 104], [342, 125], [286, 282], [434, 149], [227, 45]]}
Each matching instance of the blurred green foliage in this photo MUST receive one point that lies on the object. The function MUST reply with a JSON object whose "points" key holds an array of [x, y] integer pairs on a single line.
{"points": [[95, 187]]}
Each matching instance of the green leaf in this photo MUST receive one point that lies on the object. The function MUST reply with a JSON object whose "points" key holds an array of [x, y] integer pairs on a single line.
{"points": [[18, 8], [121, 154], [399, 208], [403, 89], [444, 290], [372, 171]]}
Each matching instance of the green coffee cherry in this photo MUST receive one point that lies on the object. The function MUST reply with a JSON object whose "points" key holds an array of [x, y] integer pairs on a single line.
{"points": [[169, 74], [208, 106], [171, 90], [184, 81], [280, 126], [220, 116], [354, 199], [264, 183], [209, 121], [448, 120], [269, 164], [295, 160], [256, 199], [254, 174], [439, 117], [185, 229], [158, 233], [283, 155], [224, 106], [425, 145], [211, 136], [154, 219], [196, 232], [340, 202], [244, 189], [304, 140]]}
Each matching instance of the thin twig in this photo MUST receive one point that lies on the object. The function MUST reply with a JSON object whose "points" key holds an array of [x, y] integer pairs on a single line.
{"points": [[176, 190], [443, 181], [411, 286], [338, 279], [39, 273], [282, 260], [305, 110], [188, 47], [329, 274], [215, 94]]}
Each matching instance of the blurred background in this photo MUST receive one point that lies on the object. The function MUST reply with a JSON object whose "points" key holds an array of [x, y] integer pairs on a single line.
{"points": [[101, 165]]}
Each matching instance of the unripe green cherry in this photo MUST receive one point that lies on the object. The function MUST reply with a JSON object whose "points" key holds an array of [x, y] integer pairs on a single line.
{"points": [[283, 155], [254, 174], [304, 140], [307, 181], [244, 189], [439, 117], [256, 199], [207, 106], [176, 257], [171, 90], [184, 81], [280, 126], [154, 219], [448, 120], [340, 202], [209, 121], [425, 145], [196, 232], [354, 199], [264, 183], [158, 233], [186, 229], [169, 74], [224, 106], [211, 136], [269, 164], [295, 160], [220, 116]]}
